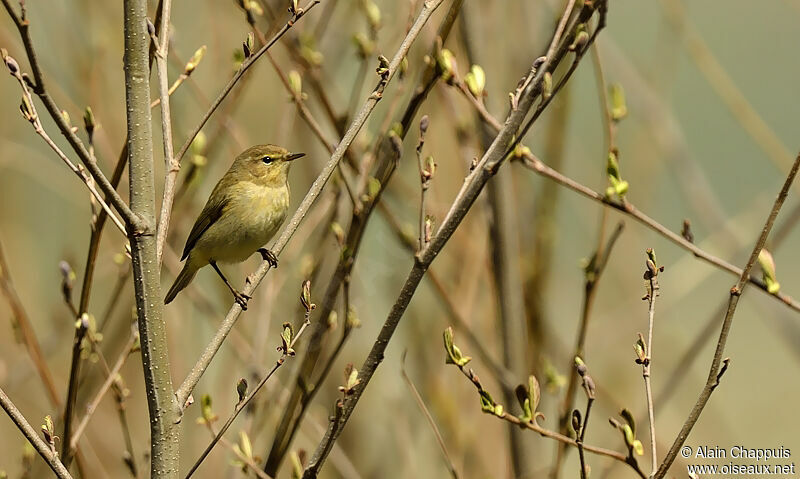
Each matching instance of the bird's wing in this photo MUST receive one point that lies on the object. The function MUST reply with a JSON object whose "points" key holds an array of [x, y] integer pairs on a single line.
{"points": [[210, 214]]}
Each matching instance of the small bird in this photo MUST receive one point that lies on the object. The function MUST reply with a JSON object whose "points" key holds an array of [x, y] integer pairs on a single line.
{"points": [[244, 211]]}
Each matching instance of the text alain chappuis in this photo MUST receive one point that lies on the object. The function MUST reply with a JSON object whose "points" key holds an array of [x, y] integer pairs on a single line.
{"points": [[738, 460]]}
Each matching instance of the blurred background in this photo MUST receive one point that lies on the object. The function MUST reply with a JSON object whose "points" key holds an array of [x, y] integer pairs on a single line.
{"points": [[711, 130]]}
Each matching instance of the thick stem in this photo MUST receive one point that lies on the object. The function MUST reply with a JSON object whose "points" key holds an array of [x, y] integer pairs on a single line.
{"points": [[162, 404]]}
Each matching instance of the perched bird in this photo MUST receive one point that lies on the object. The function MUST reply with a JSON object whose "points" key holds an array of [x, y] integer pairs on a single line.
{"points": [[244, 211]]}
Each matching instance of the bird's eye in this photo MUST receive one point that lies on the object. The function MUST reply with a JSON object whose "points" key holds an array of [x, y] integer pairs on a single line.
{"points": [[266, 159]]}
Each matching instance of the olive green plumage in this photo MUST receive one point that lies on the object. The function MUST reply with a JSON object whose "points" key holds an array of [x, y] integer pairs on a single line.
{"points": [[244, 211]]}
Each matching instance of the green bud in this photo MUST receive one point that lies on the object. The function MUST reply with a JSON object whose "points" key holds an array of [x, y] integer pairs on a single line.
{"points": [[248, 45], [295, 83], [373, 14], [547, 85], [476, 81], [338, 232], [454, 355], [629, 419], [195, 60], [88, 121], [198, 146], [767, 263], [352, 320], [446, 63], [619, 110], [364, 45], [287, 336], [305, 296], [373, 187]]}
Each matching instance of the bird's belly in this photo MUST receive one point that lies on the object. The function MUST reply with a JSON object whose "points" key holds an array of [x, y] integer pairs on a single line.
{"points": [[248, 223]]}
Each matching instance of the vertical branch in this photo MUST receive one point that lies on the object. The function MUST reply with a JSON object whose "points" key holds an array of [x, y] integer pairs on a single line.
{"points": [[171, 164], [161, 399], [424, 182], [717, 370], [650, 276]]}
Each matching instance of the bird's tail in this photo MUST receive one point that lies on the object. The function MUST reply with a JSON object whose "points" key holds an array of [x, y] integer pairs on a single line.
{"points": [[184, 278]]}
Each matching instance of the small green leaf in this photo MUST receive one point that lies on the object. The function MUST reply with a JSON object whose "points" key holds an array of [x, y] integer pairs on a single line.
{"points": [[454, 355], [534, 392], [628, 433]]}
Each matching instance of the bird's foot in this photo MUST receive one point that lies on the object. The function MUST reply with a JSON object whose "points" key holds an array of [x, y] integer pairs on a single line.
{"points": [[269, 257], [241, 298]]}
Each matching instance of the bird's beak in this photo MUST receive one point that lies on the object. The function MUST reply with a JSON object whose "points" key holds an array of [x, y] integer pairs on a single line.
{"points": [[294, 156]]}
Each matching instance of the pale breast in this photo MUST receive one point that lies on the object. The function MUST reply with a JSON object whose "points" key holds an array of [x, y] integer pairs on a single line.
{"points": [[250, 219]]}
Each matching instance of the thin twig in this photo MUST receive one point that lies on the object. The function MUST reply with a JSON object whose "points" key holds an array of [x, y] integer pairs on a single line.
{"points": [[33, 437], [715, 371], [424, 182], [582, 437], [171, 164], [446, 456], [651, 274]]}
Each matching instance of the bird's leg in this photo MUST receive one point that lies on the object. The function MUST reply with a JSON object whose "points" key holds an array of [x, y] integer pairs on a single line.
{"points": [[241, 298], [269, 257]]}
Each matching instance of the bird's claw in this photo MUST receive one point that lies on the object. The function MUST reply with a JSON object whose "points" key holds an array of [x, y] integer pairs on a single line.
{"points": [[242, 299], [269, 257]]}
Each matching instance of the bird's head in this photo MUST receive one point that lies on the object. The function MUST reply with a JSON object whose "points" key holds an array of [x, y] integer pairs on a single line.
{"points": [[266, 163]]}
